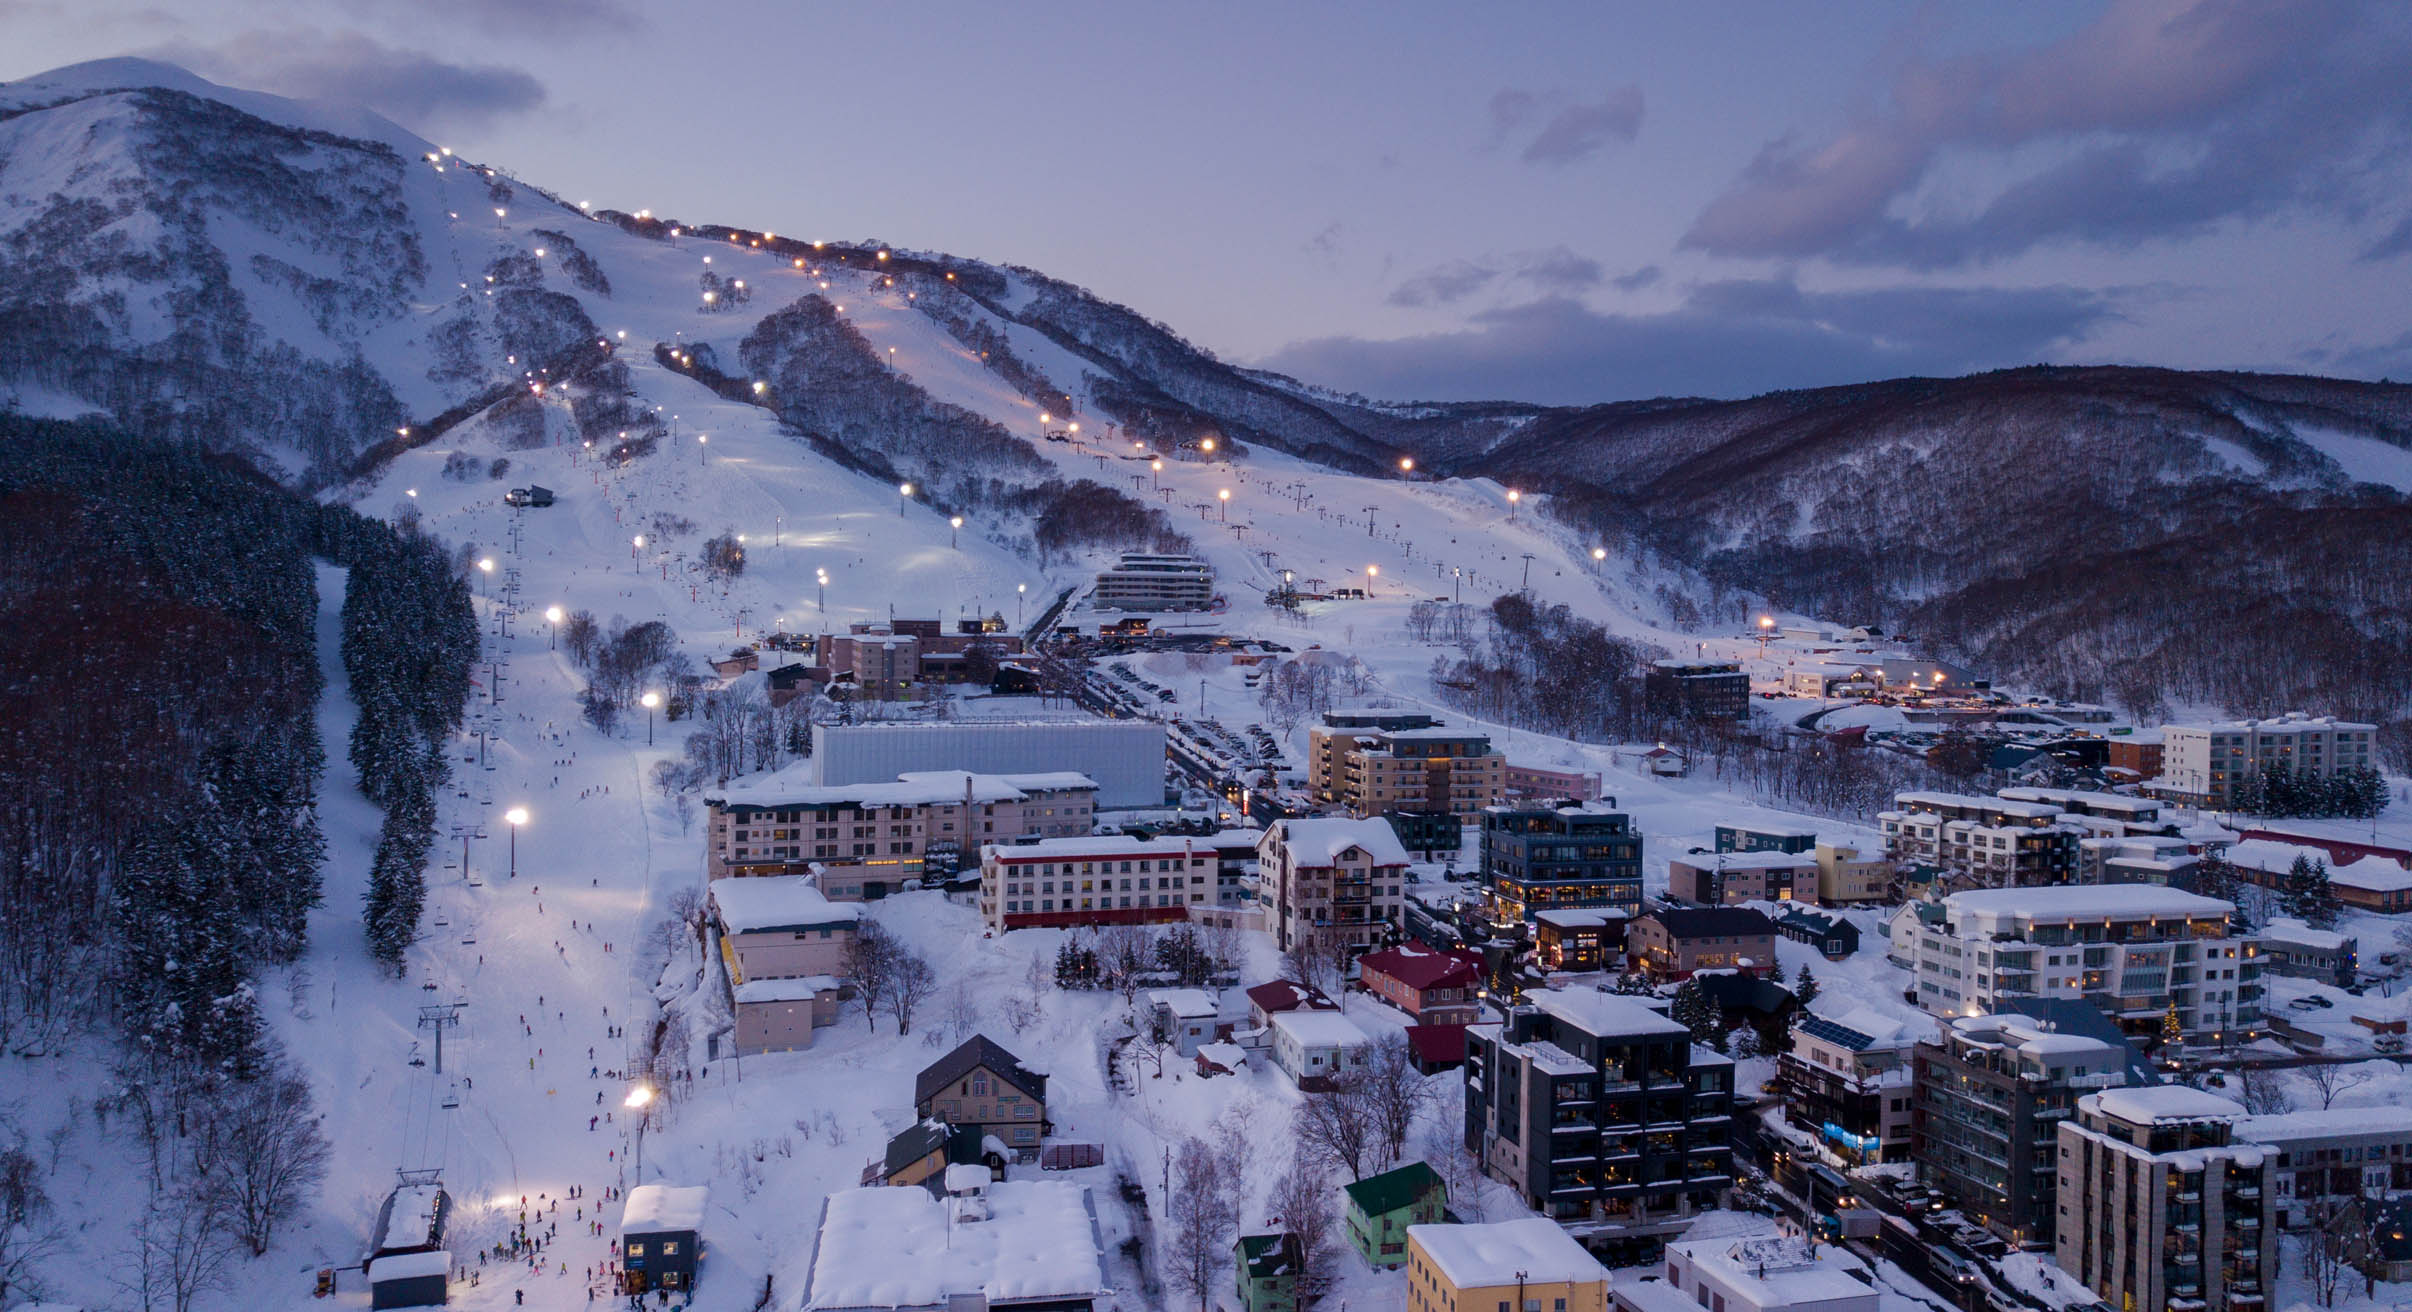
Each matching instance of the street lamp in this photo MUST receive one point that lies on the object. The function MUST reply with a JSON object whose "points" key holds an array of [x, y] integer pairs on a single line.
{"points": [[1766, 630], [701, 441], [515, 817], [1407, 465], [1514, 496], [1020, 590], [1155, 470], [822, 580], [1372, 572], [649, 701], [1208, 445], [1224, 496], [954, 526], [485, 568], [640, 1101], [904, 492], [1598, 554], [552, 626]]}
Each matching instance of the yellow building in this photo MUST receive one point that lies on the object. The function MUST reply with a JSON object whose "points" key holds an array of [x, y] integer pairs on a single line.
{"points": [[1373, 762], [1525, 1266]]}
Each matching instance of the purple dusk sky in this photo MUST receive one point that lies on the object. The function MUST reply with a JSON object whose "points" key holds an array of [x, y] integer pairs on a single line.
{"points": [[1554, 202]]}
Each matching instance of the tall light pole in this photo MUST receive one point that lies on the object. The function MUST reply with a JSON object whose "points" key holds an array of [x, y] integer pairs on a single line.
{"points": [[636, 550], [904, 495], [701, 441], [1224, 496], [1406, 466], [954, 529], [516, 816], [1155, 470], [778, 522], [1766, 630], [1020, 591], [1514, 496], [1599, 555], [1372, 572], [640, 1101], [485, 570], [552, 627], [649, 701], [822, 583]]}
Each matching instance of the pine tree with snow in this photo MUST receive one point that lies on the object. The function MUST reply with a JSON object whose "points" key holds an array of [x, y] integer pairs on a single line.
{"points": [[1806, 988], [1775, 974], [1695, 1011]]}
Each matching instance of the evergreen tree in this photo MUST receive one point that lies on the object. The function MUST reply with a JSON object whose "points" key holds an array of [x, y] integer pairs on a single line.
{"points": [[1806, 988], [2301, 889], [1775, 974], [2320, 904], [1694, 1010], [2173, 1030]]}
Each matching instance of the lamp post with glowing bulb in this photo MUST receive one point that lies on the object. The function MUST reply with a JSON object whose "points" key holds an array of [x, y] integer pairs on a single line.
{"points": [[1599, 555], [1372, 572], [636, 547], [702, 440], [515, 817], [1406, 466], [822, 583], [485, 572], [954, 528], [904, 496], [1766, 630], [1514, 496], [1155, 471], [649, 701], [1020, 591], [552, 627], [1224, 496], [640, 1101]]}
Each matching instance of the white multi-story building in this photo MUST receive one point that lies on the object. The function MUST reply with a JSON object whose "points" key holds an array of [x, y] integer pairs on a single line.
{"points": [[2202, 763], [1334, 882], [2131, 950], [1988, 841], [1106, 880], [1141, 581], [1125, 757]]}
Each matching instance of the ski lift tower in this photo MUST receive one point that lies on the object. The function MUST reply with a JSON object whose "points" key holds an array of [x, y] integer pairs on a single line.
{"points": [[439, 1017]]}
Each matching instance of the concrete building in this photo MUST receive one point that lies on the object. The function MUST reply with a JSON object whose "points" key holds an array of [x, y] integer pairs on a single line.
{"points": [[1146, 582], [2160, 1208], [1764, 838], [1672, 942], [1314, 1048], [1844, 876], [1377, 761], [1531, 782], [1337, 882], [1434, 987], [1112, 879], [2142, 859], [865, 840], [1987, 841], [2290, 947], [1770, 1273], [1991, 1093], [1124, 757], [1557, 1096], [1591, 938], [2133, 951], [2135, 756], [783, 948], [2114, 814], [1531, 1265], [1846, 1079], [2326, 1159], [2201, 764], [994, 1246], [1554, 857], [1697, 690], [1732, 878]]}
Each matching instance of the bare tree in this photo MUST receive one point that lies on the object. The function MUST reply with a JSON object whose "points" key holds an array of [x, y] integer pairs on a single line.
{"points": [[1444, 1146], [2328, 1247], [1316, 959], [2333, 1080], [1395, 1093], [962, 1014], [1302, 1204], [1203, 1211], [177, 1254], [27, 1236], [871, 963], [910, 981], [1025, 1005], [1338, 1125], [2263, 1093], [259, 1153]]}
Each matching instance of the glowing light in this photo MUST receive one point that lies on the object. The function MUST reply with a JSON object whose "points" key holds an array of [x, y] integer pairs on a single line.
{"points": [[517, 815], [552, 614], [486, 565], [905, 489], [650, 700], [640, 1095]]}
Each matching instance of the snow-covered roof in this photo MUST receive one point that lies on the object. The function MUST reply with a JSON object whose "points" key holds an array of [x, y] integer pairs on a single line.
{"points": [[2027, 1035], [410, 1266], [902, 1248], [2337, 1122], [1960, 801], [1320, 1029], [1774, 1271], [757, 903], [1749, 861], [964, 1177], [1320, 842], [1186, 1003], [1229, 1056], [658, 1208], [2085, 902], [2374, 874], [2285, 930], [1598, 1014], [793, 786], [801, 989], [1534, 1250], [2164, 1102], [411, 1216], [1582, 917], [1091, 847]]}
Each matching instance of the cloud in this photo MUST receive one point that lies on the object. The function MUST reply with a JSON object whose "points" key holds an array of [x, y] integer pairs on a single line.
{"points": [[1579, 130], [2159, 119], [553, 18], [1646, 276], [417, 90], [1734, 338], [1575, 131], [1557, 269], [2397, 242]]}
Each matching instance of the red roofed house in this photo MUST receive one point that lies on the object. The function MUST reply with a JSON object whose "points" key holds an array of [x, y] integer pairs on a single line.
{"points": [[1435, 987], [1436, 1048], [1266, 1001]]}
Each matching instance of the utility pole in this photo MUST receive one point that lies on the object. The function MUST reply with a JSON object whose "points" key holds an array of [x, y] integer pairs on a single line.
{"points": [[1527, 585], [1369, 520]]}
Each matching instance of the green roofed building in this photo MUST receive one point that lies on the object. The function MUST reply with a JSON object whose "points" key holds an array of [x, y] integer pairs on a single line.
{"points": [[1268, 1271], [1381, 1207]]}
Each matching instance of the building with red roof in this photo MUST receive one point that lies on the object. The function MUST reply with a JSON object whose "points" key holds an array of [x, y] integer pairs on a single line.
{"points": [[1435, 987]]}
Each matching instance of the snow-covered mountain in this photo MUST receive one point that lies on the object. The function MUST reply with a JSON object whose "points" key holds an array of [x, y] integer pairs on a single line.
{"points": [[320, 290]]}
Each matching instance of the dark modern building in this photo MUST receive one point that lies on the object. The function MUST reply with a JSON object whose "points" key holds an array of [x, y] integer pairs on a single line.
{"points": [[1603, 1115], [1549, 858], [1433, 835], [1765, 838], [1698, 690], [1830, 934], [1991, 1094], [661, 1233]]}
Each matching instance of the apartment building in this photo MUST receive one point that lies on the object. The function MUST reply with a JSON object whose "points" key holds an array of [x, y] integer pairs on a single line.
{"points": [[1991, 842], [1846, 1079], [1764, 838], [2290, 947], [897, 660], [783, 948], [2114, 814], [1377, 761], [1768, 1273], [1672, 942], [1148, 582], [1845, 875], [2201, 764], [1990, 1094], [2140, 859], [1528, 1264], [2137, 756], [1554, 857], [1602, 1114], [2160, 1207], [2133, 951], [1697, 690], [1060, 883], [1731, 878], [2326, 1159], [1332, 881], [866, 840]]}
